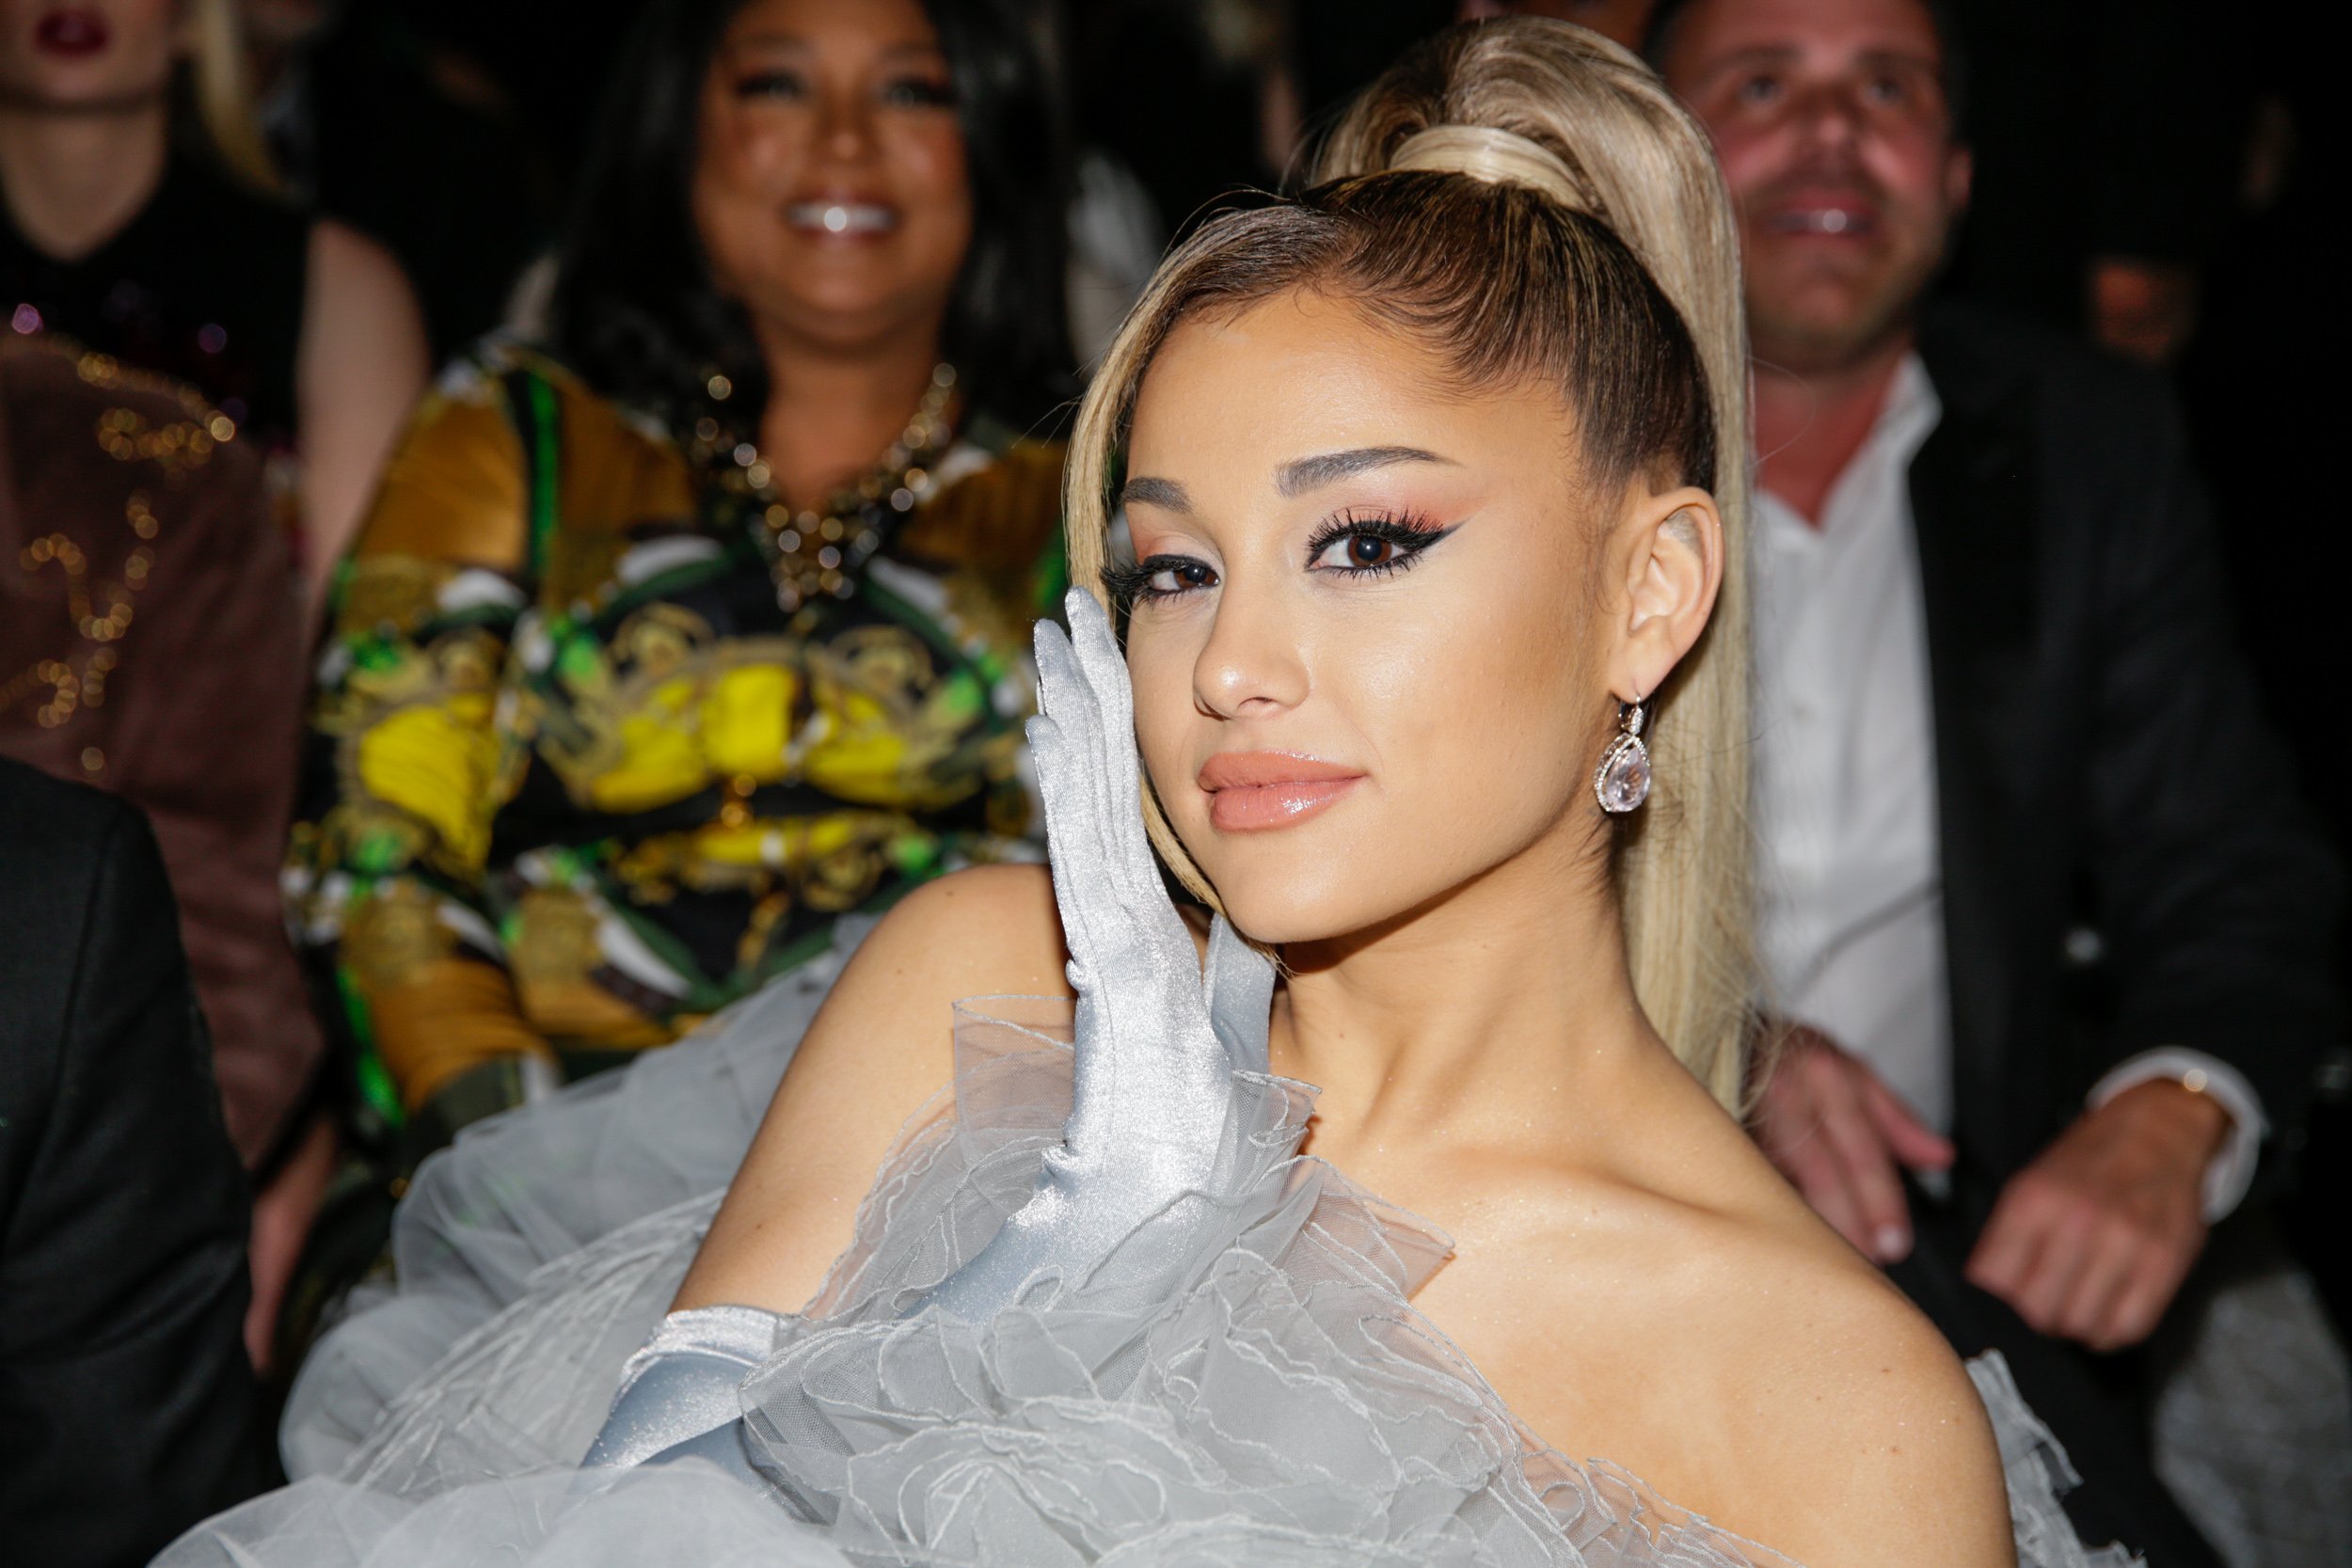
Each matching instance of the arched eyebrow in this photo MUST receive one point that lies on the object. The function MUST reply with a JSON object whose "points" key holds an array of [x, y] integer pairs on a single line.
{"points": [[1164, 493], [1312, 473], [1294, 478]]}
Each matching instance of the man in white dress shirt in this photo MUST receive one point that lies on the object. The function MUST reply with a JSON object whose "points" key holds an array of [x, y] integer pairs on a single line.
{"points": [[2003, 741]]}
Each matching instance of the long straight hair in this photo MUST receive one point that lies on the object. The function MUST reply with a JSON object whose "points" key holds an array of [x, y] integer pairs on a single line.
{"points": [[1617, 282]]}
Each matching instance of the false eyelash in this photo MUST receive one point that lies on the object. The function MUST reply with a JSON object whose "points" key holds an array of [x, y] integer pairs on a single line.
{"points": [[1411, 532], [1129, 584]]}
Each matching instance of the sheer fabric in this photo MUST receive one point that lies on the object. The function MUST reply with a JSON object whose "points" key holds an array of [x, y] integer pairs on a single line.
{"points": [[1281, 1404]]}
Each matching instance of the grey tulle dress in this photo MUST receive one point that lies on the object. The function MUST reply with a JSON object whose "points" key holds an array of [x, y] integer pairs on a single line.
{"points": [[1097, 1309]]}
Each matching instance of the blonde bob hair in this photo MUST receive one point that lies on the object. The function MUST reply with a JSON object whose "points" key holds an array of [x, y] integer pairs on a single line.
{"points": [[1525, 199]]}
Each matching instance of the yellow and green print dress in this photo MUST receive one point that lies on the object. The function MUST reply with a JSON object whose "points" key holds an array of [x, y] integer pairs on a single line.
{"points": [[608, 736]]}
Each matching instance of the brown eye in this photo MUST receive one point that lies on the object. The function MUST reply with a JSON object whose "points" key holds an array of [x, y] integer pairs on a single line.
{"points": [[1353, 546], [1178, 576], [1359, 552]]}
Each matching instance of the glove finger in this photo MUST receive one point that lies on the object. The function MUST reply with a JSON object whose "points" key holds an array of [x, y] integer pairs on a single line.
{"points": [[1106, 671], [1064, 749], [1239, 984], [1099, 736], [1068, 853]]}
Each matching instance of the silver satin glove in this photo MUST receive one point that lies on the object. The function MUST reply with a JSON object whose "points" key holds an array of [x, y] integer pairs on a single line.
{"points": [[681, 1394], [1158, 1036]]}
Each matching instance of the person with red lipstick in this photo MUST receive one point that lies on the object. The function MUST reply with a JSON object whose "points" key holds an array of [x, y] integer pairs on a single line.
{"points": [[2042, 921], [143, 218]]}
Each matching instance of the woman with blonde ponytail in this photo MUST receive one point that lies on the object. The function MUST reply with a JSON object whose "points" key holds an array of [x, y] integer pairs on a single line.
{"points": [[1405, 519]]}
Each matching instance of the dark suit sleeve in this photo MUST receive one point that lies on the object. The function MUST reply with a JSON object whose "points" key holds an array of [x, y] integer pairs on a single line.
{"points": [[125, 1398], [2216, 894]]}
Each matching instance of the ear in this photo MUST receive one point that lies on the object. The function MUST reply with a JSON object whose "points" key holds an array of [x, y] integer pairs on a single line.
{"points": [[1960, 177], [1672, 554]]}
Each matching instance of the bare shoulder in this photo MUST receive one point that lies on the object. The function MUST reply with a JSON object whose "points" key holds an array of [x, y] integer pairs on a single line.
{"points": [[363, 340], [1867, 1441], [347, 269], [879, 1051]]}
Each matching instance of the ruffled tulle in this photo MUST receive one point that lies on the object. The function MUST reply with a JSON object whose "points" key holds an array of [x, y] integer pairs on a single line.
{"points": [[1240, 1381]]}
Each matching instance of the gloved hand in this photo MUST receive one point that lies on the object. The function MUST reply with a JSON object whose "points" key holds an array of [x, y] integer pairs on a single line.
{"points": [[1158, 1036]]}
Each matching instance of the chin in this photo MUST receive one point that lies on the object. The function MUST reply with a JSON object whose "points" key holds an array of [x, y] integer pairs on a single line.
{"points": [[1301, 893]]}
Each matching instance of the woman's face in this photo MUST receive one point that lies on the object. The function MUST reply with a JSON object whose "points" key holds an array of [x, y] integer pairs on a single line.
{"points": [[830, 189], [1374, 652], [87, 54]]}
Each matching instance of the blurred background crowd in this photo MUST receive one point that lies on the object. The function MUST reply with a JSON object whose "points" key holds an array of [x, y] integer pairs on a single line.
{"points": [[539, 509]]}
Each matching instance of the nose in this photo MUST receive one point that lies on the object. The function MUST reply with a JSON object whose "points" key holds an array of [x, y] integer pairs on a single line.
{"points": [[1251, 667], [845, 126], [1831, 116]]}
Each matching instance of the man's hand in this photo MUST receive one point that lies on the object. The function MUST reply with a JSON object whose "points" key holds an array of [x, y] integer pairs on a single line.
{"points": [[1838, 1132], [2091, 1239]]}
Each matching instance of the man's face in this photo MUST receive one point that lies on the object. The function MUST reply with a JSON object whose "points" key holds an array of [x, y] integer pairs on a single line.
{"points": [[1830, 120]]}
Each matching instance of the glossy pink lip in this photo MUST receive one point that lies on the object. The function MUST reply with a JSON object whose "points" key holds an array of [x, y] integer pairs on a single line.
{"points": [[1251, 791], [70, 32]]}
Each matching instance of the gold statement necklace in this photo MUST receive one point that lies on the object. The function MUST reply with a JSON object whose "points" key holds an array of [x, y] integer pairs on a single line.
{"points": [[817, 554]]}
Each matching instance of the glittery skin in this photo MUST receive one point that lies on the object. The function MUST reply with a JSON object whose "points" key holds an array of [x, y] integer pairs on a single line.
{"points": [[1158, 1035]]}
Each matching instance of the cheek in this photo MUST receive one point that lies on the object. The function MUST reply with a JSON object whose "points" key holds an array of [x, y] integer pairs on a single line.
{"points": [[928, 173], [1490, 693], [741, 166], [1159, 668], [745, 156], [1749, 155], [1910, 164]]}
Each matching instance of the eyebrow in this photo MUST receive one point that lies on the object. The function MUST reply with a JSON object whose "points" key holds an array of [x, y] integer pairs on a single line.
{"points": [[1312, 473], [795, 43], [1876, 58], [1164, 493], [1292, 479]]}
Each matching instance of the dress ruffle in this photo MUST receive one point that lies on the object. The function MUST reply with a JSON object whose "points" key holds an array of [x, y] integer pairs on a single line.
{"points": [[1241, 1379]]}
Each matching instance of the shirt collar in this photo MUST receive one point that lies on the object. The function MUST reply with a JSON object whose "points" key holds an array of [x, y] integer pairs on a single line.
{"points": [[1907, 417]]}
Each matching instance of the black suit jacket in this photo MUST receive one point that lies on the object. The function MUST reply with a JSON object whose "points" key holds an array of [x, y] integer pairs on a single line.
{"points": [[2101, 757], [125, 1398], [2100, 764]]}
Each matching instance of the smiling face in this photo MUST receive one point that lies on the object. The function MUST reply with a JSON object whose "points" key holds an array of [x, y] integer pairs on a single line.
{"points": [[1376, 639], [830, 190], [87, 54], [1835, 140]]}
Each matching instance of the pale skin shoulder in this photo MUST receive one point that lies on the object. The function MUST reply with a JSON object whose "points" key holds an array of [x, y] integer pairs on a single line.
{"points": [[1859, 1440], [1691, 1322], [879, 1051], [360, 367]]}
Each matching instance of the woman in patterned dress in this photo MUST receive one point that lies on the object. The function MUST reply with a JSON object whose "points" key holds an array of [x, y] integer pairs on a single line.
{"points": [[696, 624]]}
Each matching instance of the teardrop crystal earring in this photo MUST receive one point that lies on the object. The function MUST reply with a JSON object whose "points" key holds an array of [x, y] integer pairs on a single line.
{"points": [[1621, 782]]}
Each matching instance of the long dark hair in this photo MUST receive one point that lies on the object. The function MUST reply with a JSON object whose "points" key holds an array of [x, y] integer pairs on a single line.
{"points": [[636, 311]]}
